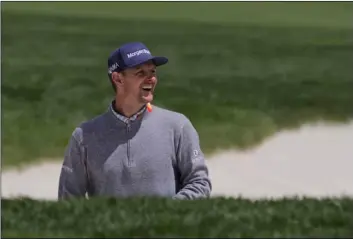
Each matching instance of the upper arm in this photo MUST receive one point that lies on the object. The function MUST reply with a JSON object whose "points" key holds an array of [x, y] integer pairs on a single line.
{"points": [[73, 180], [191, 163], [189, 148]]}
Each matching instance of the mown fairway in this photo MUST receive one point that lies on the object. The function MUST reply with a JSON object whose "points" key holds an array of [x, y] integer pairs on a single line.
{"points": [[239, 71], [219, 217]]}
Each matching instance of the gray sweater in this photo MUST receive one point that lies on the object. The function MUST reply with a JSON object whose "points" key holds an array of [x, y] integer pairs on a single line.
{"points": [[153, 154]]}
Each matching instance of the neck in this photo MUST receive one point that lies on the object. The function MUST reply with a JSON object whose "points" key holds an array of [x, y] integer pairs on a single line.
{"points": [[125, 108]]}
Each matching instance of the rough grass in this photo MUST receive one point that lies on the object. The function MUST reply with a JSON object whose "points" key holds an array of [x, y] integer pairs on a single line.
{"points": [[142, 217], [324, 14], [238, 81]]}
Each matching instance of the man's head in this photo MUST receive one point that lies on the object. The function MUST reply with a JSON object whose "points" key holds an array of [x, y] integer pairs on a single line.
{"points": [[132, 71]]}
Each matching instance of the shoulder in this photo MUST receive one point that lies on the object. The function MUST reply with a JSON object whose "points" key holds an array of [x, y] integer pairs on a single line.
{"points": [[174, 119], [97, 121], [178, 123], [90, 126], [170, 115]]}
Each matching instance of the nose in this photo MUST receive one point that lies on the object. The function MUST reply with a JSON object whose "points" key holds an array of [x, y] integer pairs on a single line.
{"points": [[151, 79]]}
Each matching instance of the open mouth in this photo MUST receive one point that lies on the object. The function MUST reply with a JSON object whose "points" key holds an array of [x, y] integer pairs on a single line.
{"points": [[147, 88]]}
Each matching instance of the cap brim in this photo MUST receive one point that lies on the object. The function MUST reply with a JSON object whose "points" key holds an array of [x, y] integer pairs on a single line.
{"points": [[159, 60]]}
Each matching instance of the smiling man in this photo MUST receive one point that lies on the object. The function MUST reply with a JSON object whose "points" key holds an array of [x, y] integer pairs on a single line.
{"points": [[129, 150]]}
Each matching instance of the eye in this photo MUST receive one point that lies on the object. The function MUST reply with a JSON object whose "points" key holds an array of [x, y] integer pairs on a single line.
{"points": [[139, 73]]}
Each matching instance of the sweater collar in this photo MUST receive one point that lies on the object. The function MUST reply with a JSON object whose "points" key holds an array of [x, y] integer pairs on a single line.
{"points": [[124, 118]]}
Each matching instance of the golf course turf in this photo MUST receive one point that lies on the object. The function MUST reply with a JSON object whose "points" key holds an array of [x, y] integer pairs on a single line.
{"points": [[215, 218], [238, 80], [240, 71]]}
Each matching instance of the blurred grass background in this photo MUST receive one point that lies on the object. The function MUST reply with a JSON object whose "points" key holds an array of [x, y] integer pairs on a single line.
{"points": [[239, 70]]}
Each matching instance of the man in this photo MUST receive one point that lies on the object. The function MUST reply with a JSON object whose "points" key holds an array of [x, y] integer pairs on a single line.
{"points": [[129, 150]]}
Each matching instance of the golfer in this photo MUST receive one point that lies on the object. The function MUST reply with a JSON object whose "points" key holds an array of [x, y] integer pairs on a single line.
{"points": [[134, 148]]}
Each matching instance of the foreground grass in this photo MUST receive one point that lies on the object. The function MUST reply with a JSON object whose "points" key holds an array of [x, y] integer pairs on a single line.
{"points": [[218, 217], [238, 83]]}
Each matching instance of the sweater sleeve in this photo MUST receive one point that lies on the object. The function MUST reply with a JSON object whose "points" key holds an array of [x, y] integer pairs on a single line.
{"points": [[195, 181], [73, 180]]}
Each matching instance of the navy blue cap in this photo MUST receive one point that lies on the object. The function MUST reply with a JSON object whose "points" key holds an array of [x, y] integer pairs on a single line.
{"points": [[130, 55]]}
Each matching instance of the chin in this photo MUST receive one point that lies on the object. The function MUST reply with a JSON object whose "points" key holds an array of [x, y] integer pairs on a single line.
{"points": [[147, 99]]}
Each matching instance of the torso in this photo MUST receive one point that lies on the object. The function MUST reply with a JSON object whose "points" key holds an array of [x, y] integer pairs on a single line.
{"points": [[138, 161]]}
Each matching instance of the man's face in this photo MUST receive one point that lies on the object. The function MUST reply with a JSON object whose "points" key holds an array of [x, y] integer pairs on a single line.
{"points": [[140, 82]]}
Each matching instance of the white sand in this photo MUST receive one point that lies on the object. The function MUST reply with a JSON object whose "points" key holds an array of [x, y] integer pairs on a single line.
{"points": [[316, 160]]}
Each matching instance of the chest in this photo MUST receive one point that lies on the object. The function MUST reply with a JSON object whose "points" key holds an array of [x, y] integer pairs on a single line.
{"points": [[137, 149]]}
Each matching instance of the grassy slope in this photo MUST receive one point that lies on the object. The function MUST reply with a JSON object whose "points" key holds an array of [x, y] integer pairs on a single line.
{"points": [[337, 15], [238, 78], [218, 217]]}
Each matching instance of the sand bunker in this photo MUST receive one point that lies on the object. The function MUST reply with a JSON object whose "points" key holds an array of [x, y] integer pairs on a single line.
{"points": [[316, 160]]}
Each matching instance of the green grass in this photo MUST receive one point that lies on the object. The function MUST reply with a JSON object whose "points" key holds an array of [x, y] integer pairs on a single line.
{"points": [[238, 77], [217, 217], [325, 14]]}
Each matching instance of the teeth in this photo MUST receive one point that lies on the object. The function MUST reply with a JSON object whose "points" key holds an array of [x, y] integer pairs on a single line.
{"points": [[147, 87]]}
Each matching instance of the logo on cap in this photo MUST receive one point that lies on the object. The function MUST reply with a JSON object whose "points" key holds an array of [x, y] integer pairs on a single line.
{"points": [[113, 67], [139, 52]]}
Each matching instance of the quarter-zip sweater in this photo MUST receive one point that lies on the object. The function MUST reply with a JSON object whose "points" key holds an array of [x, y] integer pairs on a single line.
{"points": [[151, 154]]}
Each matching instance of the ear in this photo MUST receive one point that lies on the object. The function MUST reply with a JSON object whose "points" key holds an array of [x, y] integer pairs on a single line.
{"points": [[117, 79]]}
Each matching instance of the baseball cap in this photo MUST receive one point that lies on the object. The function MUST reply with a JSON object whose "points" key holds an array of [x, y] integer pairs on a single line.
{"points": [[130, 55]]}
